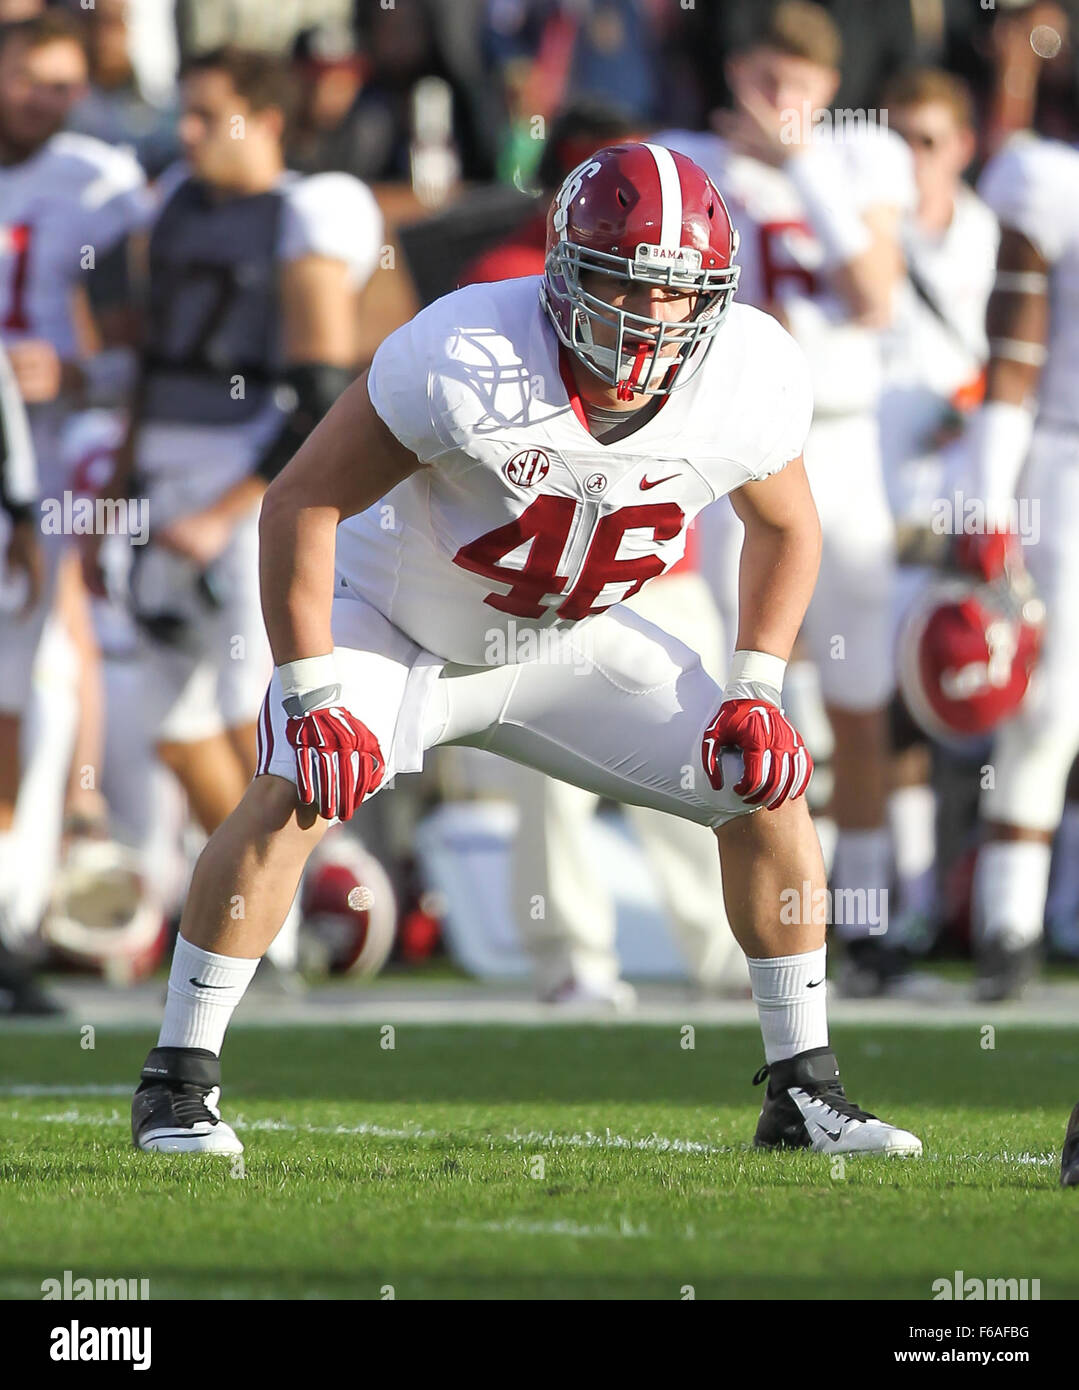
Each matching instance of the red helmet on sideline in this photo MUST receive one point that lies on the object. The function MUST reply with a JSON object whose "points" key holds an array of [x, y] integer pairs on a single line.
{"points": [[639, 212], [967, 652], [349, 910]]}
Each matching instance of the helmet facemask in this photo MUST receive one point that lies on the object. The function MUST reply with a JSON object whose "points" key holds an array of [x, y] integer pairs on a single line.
{"points": [[641, 359]]}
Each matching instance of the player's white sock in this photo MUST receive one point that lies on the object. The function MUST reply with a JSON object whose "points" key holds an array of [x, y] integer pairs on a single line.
{"points": [[912, 814], [1011, 881], [1063, 904], [789, 992], [198, 1017], [862, 868]]}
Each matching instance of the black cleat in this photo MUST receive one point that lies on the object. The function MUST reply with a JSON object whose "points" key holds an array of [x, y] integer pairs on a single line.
{"points": [[175, 1110], [869, 968], [806, 1107], [1005, 971], [21, 995], [1069, 1158]]}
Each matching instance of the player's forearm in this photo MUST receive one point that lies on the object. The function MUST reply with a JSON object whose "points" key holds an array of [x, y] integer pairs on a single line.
{"points": [[862, 256], [867, 283], [775, 582], [296, 570], [239, 499], [347, 464], [1017, 325]]}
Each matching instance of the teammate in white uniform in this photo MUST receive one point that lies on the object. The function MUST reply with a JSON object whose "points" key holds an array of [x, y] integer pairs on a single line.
{"points": [[255, 274], [65, 202], [818, 209], [936, 351], [484, 541], [20, 580], [1024, 446]]}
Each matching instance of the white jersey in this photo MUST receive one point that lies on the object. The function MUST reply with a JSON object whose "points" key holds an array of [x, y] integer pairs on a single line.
{"points": [[61, 210], [784, 265], [522, 519], [189, 463], [930, 358], [1033, 187]]}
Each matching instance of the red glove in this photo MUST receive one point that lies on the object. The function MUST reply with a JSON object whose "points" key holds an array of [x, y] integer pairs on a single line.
{"points": [[776, 762], [337, 758], [989, 554]]}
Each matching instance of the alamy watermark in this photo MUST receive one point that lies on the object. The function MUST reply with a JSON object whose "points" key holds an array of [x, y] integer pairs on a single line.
{"points": [[818, 907], [798, 123], [960, 515], [513, 646], [75, 515], [99, 1290], [959, 1286]]}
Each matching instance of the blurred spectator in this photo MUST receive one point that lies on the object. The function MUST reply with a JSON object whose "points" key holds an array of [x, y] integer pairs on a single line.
{"points": [[544, 49], [878, 40], [582, 128], [207, 24], [400, 46], [328, 133], [115, 109]]}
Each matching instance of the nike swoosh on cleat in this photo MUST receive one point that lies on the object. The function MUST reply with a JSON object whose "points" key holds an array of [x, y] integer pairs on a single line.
{"points": [[199, 983], [814, 983], [645, 484]]}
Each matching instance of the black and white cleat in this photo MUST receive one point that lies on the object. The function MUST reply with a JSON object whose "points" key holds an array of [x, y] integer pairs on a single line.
{"points": [[175, 1109], [806, 1107]]}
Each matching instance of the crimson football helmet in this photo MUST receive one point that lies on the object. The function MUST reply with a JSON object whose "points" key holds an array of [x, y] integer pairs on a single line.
{"points": [[349, 910], [646, 213], [967, 651]]}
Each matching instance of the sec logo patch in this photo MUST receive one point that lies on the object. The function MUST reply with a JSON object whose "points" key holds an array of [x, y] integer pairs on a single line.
{"points": [[528, 468]]}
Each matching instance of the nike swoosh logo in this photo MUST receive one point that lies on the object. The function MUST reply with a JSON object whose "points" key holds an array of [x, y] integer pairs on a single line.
{"points": [[835, 1138], [645, 484], [193, 981], [814, 983]]}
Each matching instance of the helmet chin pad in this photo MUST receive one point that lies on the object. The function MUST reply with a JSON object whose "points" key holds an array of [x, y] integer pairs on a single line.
{"points": [[617, 369]]}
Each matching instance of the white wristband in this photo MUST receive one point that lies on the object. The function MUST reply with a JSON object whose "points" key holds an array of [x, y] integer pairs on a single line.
{"points": [[308, 673], [999, 442], [821, 184], [759, 667]]}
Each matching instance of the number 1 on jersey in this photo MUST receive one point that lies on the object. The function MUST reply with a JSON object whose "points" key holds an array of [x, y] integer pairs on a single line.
{"points": [[15, 321]]}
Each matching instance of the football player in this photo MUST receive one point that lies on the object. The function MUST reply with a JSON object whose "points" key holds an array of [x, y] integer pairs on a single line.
{"points": [[818, 208], [935, 356], [66, 202], [1023, 445], [20, 582], [572, 944], [466, 492], [254, 276]]}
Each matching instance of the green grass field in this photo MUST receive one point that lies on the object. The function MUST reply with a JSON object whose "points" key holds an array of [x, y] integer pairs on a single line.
{"points": [[563, 1162]]}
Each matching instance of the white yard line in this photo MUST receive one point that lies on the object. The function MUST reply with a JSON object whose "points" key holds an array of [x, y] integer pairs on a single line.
{"points": [[526, 1139]]}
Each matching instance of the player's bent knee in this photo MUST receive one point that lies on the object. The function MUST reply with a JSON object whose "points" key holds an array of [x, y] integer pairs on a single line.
{"points": [[275, 799]]}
